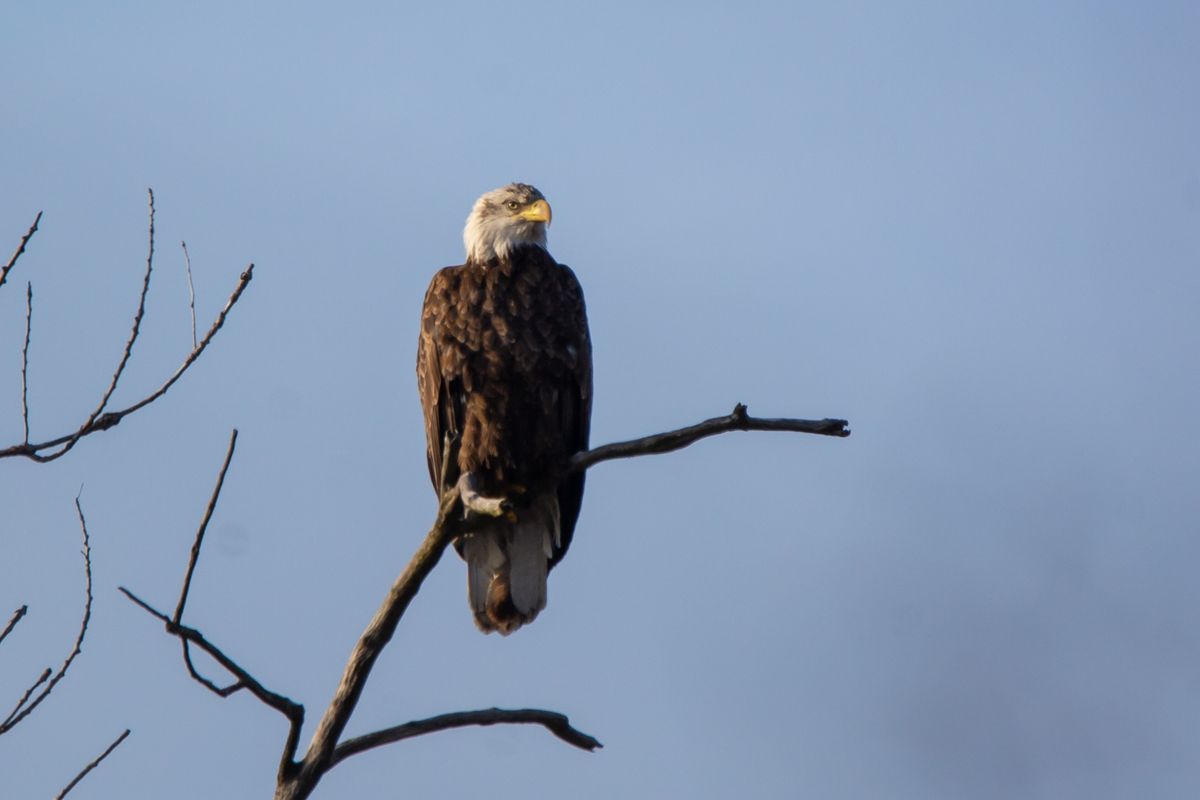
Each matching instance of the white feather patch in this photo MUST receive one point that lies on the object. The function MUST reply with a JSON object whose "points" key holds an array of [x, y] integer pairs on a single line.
{"points": [[484, 559], [491, 232], [528, 555]]}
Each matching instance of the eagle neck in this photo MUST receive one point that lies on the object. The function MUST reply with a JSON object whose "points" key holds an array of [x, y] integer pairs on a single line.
{"points": [[514, 259]]}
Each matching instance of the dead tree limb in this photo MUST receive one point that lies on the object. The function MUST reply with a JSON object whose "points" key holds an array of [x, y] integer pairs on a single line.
{"points": [[95, 763], [48, 679], [26, 705], [208, 512], [298, 778], [293, 711], [187, 260], [737, 420], [244, 680], [100, 419], [12, 262], [25, 359], [12, 622], [558, 724]]}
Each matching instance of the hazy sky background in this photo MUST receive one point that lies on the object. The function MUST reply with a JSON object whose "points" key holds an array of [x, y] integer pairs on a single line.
{"points": [[971, 229]]}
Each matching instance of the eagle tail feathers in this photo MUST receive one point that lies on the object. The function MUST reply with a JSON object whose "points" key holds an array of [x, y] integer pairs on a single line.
{"points": [[507, 563]]}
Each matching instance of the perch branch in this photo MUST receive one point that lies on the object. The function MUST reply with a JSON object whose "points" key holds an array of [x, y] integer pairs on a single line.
{"points": [[317, 761], [92, 766], [322, 752], [737, 420], [556, 723], [298, 779], [12, 262], [26, 706]]}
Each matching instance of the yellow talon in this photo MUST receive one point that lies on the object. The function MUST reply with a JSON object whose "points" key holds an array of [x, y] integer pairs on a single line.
{"points": [[510, 515]]}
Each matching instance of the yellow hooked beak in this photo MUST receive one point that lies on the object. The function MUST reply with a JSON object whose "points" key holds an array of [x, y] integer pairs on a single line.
{"points": [[537, 211]]}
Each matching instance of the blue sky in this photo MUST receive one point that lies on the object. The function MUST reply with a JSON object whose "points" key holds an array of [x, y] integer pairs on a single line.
{"points": [[972, 230]]}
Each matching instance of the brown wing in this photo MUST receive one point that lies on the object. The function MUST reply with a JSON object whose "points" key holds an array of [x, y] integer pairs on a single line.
{"points": [[576, 407], [441, 414]]}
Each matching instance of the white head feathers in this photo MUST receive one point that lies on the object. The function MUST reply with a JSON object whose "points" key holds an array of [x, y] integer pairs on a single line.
{"points": [[504, 219]]}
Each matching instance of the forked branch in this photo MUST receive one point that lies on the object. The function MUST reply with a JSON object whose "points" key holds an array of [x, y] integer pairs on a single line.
{"points": [[293, 711], [101, 419], [297, 778], [49, 678]]}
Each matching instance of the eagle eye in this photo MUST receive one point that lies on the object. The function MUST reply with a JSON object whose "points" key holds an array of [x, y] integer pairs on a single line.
{"points": [[513, 205]]}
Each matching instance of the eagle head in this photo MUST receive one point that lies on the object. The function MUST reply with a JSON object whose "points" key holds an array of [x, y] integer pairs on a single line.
{"points": [[504, 219]]}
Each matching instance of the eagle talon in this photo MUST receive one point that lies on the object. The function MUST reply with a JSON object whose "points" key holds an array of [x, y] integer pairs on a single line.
{"points": [[510, 515], [478, 503]]}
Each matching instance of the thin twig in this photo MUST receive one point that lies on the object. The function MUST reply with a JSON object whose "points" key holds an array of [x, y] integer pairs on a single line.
{"points": [[208, 512], [12, 622], [737, 420], [293, 711], [25, 358], [12, 262], [187, 260], [92, 765], [45, 676], [111, 418], [556, 723], [187, 635], [244, 680], [26, 706], [133, 335]]}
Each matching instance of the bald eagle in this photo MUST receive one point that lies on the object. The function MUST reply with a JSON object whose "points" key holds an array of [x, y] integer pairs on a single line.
{"points": [[504, 369]]}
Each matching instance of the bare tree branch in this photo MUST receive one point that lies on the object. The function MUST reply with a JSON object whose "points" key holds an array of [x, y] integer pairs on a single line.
{"points": [[12, 262], [244, 680], [188, 636], [33, 451], [100, 419], [137, 323], [737, 420], [321, 751], [556, 723], [187, 260], [133, 335], [12, 622], [26, 706], [25, 359], [298, 778], [45, 676], [208, 512], [91, 766], [382, 626]]}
